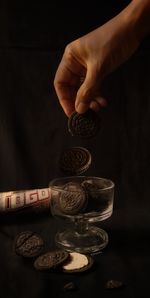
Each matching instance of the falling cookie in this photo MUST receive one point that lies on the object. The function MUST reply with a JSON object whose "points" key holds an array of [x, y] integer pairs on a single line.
{"points": [[75, 161]]}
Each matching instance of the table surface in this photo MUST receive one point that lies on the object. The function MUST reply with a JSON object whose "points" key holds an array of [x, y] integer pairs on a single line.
{"points": [[125, 258]]}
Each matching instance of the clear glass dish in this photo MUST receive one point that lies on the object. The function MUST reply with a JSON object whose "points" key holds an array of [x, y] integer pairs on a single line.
{"points": [[83, 201]]}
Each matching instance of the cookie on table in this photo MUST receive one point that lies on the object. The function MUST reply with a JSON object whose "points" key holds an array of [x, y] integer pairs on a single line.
{"points": [[77, 263], [75, 161], [51, 259], [85, 125], [28, 244]]}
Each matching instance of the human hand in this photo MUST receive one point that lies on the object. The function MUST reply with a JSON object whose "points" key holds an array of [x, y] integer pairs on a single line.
{"points": [[89, 59]]}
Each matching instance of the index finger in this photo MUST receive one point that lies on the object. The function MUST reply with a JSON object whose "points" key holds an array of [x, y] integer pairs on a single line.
{"points": [[67, 81], [66, 84]]}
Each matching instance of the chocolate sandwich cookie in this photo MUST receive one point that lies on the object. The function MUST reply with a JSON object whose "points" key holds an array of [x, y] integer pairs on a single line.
{"points": [[77, 263], [28, 244], [84, 125], [90, 186], [75, 161], [51, 259], [73, 199], [95, 196]]}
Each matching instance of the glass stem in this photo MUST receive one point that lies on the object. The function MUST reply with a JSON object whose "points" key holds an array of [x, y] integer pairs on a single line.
{"points": [[81, 226]]}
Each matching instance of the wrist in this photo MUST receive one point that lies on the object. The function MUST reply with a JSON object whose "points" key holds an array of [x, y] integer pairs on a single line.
{"points": [[137, 15]]}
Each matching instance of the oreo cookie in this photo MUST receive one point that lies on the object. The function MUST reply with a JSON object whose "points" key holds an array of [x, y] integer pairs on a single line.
{"points": [[73, 199], [97, 201], [75, 161], [84, 125], [90, 187], [77, 263], [28, 244], [92, 192], [51, 259]]}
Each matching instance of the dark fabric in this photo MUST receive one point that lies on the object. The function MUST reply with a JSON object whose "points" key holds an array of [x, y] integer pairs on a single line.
{"points": [[33, 133], [53, 23], [33, 129]]}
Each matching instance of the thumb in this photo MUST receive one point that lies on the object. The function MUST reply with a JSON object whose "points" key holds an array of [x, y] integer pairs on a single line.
{"points": [[86, 91]]}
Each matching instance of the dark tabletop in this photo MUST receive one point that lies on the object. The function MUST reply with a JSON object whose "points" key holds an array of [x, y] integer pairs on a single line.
{"points": [[126, 257], [33, 133]]}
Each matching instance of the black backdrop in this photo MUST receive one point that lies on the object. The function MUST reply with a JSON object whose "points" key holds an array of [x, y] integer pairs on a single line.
{"points": [[33, 133], [33, 128]]}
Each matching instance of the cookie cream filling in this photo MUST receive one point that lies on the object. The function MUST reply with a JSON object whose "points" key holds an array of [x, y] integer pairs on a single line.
{"points": [[77, 261]]}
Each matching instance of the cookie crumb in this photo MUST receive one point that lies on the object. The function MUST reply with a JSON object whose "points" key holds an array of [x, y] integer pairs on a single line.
{"points": [[114, 284], [70, 286]]}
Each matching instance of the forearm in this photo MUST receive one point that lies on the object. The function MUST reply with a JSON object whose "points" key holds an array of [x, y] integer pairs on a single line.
{"points": [[137, 14]]}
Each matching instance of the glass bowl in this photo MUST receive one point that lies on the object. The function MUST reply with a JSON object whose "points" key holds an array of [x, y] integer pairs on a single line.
{"points": [[83, 201]]}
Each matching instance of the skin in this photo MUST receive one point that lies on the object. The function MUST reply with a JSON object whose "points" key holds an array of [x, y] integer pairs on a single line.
{"points": [[89, 59]]}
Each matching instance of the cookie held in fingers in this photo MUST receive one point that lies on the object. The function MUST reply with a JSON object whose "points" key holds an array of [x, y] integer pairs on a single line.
{"points": [[28, 244], [85, 125], [51, 259], [75, 161], [77, 263]]}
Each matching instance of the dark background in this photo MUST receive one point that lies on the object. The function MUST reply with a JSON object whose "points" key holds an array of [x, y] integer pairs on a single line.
{"points": [[33, 133], [33, 127]]}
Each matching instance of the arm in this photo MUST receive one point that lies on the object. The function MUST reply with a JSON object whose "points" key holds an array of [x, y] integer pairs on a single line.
{"points": [[89, 59]]}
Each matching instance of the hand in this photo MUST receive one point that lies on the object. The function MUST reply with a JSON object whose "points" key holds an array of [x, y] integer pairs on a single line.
{"points": [[89, 59]]}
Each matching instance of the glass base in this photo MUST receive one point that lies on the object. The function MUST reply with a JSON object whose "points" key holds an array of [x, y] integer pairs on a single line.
{"points": [[92, 240]]}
